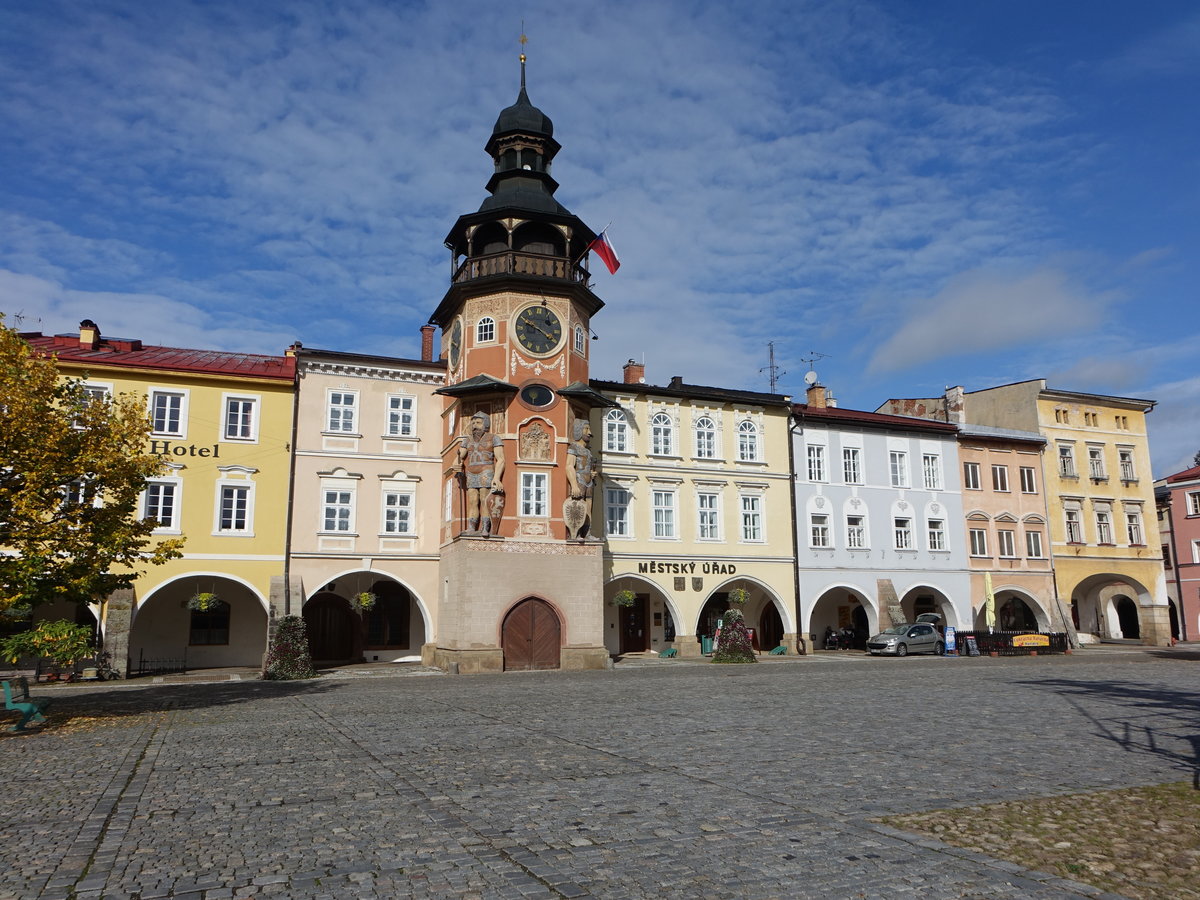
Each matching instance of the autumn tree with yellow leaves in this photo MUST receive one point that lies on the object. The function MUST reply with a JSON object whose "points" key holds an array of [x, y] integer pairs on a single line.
{"points": [[72, 468]]}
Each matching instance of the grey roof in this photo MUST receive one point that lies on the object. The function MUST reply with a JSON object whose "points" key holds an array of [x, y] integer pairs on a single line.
{"points": [[523, 116], [694, 391], [990, 431], [478, 385], [577, 390]]}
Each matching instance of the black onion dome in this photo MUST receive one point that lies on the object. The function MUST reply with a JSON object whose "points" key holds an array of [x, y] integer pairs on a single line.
{"points": [[523, 116]]}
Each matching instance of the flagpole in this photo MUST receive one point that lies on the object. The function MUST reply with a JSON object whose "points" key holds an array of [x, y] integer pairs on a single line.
{"points": [[600, 233]]}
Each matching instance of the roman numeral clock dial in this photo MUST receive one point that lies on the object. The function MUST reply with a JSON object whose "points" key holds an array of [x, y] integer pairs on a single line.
{"points": [[538, 330]]}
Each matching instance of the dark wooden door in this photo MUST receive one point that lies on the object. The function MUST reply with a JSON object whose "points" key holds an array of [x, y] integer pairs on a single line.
{"points": [[330, 626], [531, 637], [635, 633], [770, 628]]}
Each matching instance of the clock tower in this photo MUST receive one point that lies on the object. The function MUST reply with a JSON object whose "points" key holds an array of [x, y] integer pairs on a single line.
{"points": [[521, 565]]}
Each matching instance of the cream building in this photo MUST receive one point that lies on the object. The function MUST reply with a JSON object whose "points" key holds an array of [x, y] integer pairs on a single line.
{"points": [[695, 502]]}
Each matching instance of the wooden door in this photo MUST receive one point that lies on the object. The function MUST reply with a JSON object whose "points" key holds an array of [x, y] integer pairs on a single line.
{"points": [[770, 628], [330, 624], [531, 636], [635, 631]]}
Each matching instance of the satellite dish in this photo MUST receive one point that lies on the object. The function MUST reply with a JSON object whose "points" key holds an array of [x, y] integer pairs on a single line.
{"points": [[810, 377]]}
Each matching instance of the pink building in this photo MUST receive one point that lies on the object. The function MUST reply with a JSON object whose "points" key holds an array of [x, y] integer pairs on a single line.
{"points": [[1178, 498]]}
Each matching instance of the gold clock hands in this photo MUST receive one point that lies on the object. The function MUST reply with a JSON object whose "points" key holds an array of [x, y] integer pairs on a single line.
{"points": [[544, 332]]}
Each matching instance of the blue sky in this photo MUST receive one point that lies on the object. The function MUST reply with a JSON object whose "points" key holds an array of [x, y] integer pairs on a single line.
{"points": [[926, 192]]}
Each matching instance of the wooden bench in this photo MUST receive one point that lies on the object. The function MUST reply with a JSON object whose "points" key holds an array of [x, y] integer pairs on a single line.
{"points": [[781, 650], [16, 697], [669, 653]]}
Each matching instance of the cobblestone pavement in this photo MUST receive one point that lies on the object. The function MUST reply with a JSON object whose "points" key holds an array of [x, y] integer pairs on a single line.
{"points": [[649, 780]]}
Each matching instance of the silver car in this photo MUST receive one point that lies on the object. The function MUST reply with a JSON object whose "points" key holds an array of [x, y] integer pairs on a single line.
{"points": [[921, 636]]}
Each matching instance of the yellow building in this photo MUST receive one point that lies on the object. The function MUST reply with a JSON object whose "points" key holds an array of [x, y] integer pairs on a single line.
{"points": [[223, 423], [696, 502]]}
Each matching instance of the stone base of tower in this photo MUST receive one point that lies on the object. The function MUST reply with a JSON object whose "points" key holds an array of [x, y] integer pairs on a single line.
{"points": [[484, 579]]}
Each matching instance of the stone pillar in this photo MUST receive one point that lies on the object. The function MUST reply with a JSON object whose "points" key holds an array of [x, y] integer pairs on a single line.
{"points": [[118, 619], [889, 604], [1155, 626]]}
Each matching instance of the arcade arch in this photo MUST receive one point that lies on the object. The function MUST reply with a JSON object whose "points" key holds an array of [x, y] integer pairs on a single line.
{"points": [[842, 607], [1110, 606], [340, 631], [1016, 610]]}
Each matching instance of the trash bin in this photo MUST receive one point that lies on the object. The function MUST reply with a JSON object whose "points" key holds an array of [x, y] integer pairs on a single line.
{"points": [[705, 644]]}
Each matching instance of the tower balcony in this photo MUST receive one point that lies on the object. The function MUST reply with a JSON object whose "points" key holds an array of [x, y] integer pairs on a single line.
{"points": [[516, 262]]}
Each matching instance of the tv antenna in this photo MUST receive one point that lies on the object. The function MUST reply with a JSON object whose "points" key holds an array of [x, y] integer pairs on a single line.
{"points": [[810, 377], [774, 370]]}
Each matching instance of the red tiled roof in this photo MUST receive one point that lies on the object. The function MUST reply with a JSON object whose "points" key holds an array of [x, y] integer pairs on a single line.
{"points": [[879, 420], [133, 354], [1185, 475]]}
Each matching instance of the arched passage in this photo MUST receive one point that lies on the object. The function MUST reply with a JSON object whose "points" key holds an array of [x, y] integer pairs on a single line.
{"points": [[330, 623], [1127, 616], [843, 611], [635, 628], [924, 599], [1107, 605], [531, 636]]}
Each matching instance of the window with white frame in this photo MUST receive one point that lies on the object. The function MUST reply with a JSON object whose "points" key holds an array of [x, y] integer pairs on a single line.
{"points": [[1066, 460], [402, 415], [337, 511], [1074, 526], [234, 511], [663, 508], [1133, 527], [1033, 544], [617, 522], [616, 431], [856, 532], [168, 413], [937, 534], [241, 418], [1028, 480], [398, 512], [580, 339], [1104, 533], [1096, 463], [80, 491], [706, 438], [898, 466], [92, 393], [662, 435], [1193, 503], [902, 533], [971, 476], [852, 465], [1006, 543], [978, 538], [708, 515], [341, 409], [161, 503], [748, 450], [535, 494], [1125, 459], [485, 330], [816, 462], [1196, 551], [752, 521], [819, 530], [931, 467], [1000, 478]]}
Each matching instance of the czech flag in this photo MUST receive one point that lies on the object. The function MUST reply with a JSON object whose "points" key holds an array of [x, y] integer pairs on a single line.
{"points": [[604, 249]]}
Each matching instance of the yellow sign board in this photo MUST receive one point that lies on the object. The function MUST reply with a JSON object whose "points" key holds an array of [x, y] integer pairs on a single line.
{"points": [[1031, 640]]}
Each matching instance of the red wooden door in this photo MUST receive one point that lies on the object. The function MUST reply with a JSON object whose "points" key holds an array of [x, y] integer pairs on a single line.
{"points": [[531, 637], [635, 635], [770, 628]]}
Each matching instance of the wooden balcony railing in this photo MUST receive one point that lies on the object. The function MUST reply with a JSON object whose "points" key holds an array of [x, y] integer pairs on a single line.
{"points": [[513, 262]]}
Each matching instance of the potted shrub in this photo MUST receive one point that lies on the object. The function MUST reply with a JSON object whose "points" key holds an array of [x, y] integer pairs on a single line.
{"points": [[364, 601], [203, 601], [739, 596], [624, 598]]}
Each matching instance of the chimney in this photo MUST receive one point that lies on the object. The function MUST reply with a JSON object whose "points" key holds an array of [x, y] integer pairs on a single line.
{"points": [[817, 396], [955, 405], [635, 372], [89, 335], [427, 343], [676, 381], [294, 350]]}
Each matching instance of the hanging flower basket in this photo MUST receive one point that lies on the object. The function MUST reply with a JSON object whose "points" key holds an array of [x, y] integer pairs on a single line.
{"points": [[203, 601], [739, 596], [625, 598], [364, 601]]}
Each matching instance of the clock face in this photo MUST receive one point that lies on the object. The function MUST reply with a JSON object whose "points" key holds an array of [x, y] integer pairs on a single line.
{"points": [[455, 343], [538, 329]]}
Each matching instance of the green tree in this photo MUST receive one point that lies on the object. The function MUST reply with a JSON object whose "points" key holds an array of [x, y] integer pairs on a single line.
{"points": [[1196, 459], [71, 470]]}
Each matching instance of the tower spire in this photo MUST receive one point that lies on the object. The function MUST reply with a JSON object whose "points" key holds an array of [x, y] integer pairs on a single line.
{"points": [[524, 41]]}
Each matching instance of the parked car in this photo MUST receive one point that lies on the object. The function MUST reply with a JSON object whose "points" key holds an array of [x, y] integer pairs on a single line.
{"points": [[920, 636]]}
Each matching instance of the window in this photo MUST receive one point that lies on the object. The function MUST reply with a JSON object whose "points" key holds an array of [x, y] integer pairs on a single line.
{"points": [[899, 468], [1193, 503], [234, 515], [1066, 460], [708, 516], [616, 431], [397, 512], [1166, 555], [931, 466], [978, 542], [1074, 526], [1103, 527], [852, 465], [937, 534], [816, 462], [167, 413], [485, 330], [1033, 544], [1196, 551], [751, 517], [402, 416], [662, 435], [211, 626], [616, 512], [902, 534], [706, 438], [1090, 418], [160, 503], [1122, 422], [1062, 417], [80, 492], [747, 442], [1028, 480], [91, 394], [856, 532], [1133, 528], [338, 511], [1006, 543], [1000, 478], [241, 419], [663, 503], [819, 531], [535, 494], [341, 411], [1128, 473], [1096, 463], [580, 339], [971, 476]]}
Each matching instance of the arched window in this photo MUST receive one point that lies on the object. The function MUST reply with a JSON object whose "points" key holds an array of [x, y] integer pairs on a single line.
{"points": [[580, 340], [616, 431], [662, 435], [706, 438], [747, 442], [485, 330]]}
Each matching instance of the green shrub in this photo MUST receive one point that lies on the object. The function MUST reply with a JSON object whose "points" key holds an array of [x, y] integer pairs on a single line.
{"points": [[61, 641]]}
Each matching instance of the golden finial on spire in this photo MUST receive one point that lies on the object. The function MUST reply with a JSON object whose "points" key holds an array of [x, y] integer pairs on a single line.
{"points": [[524, 40]]}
